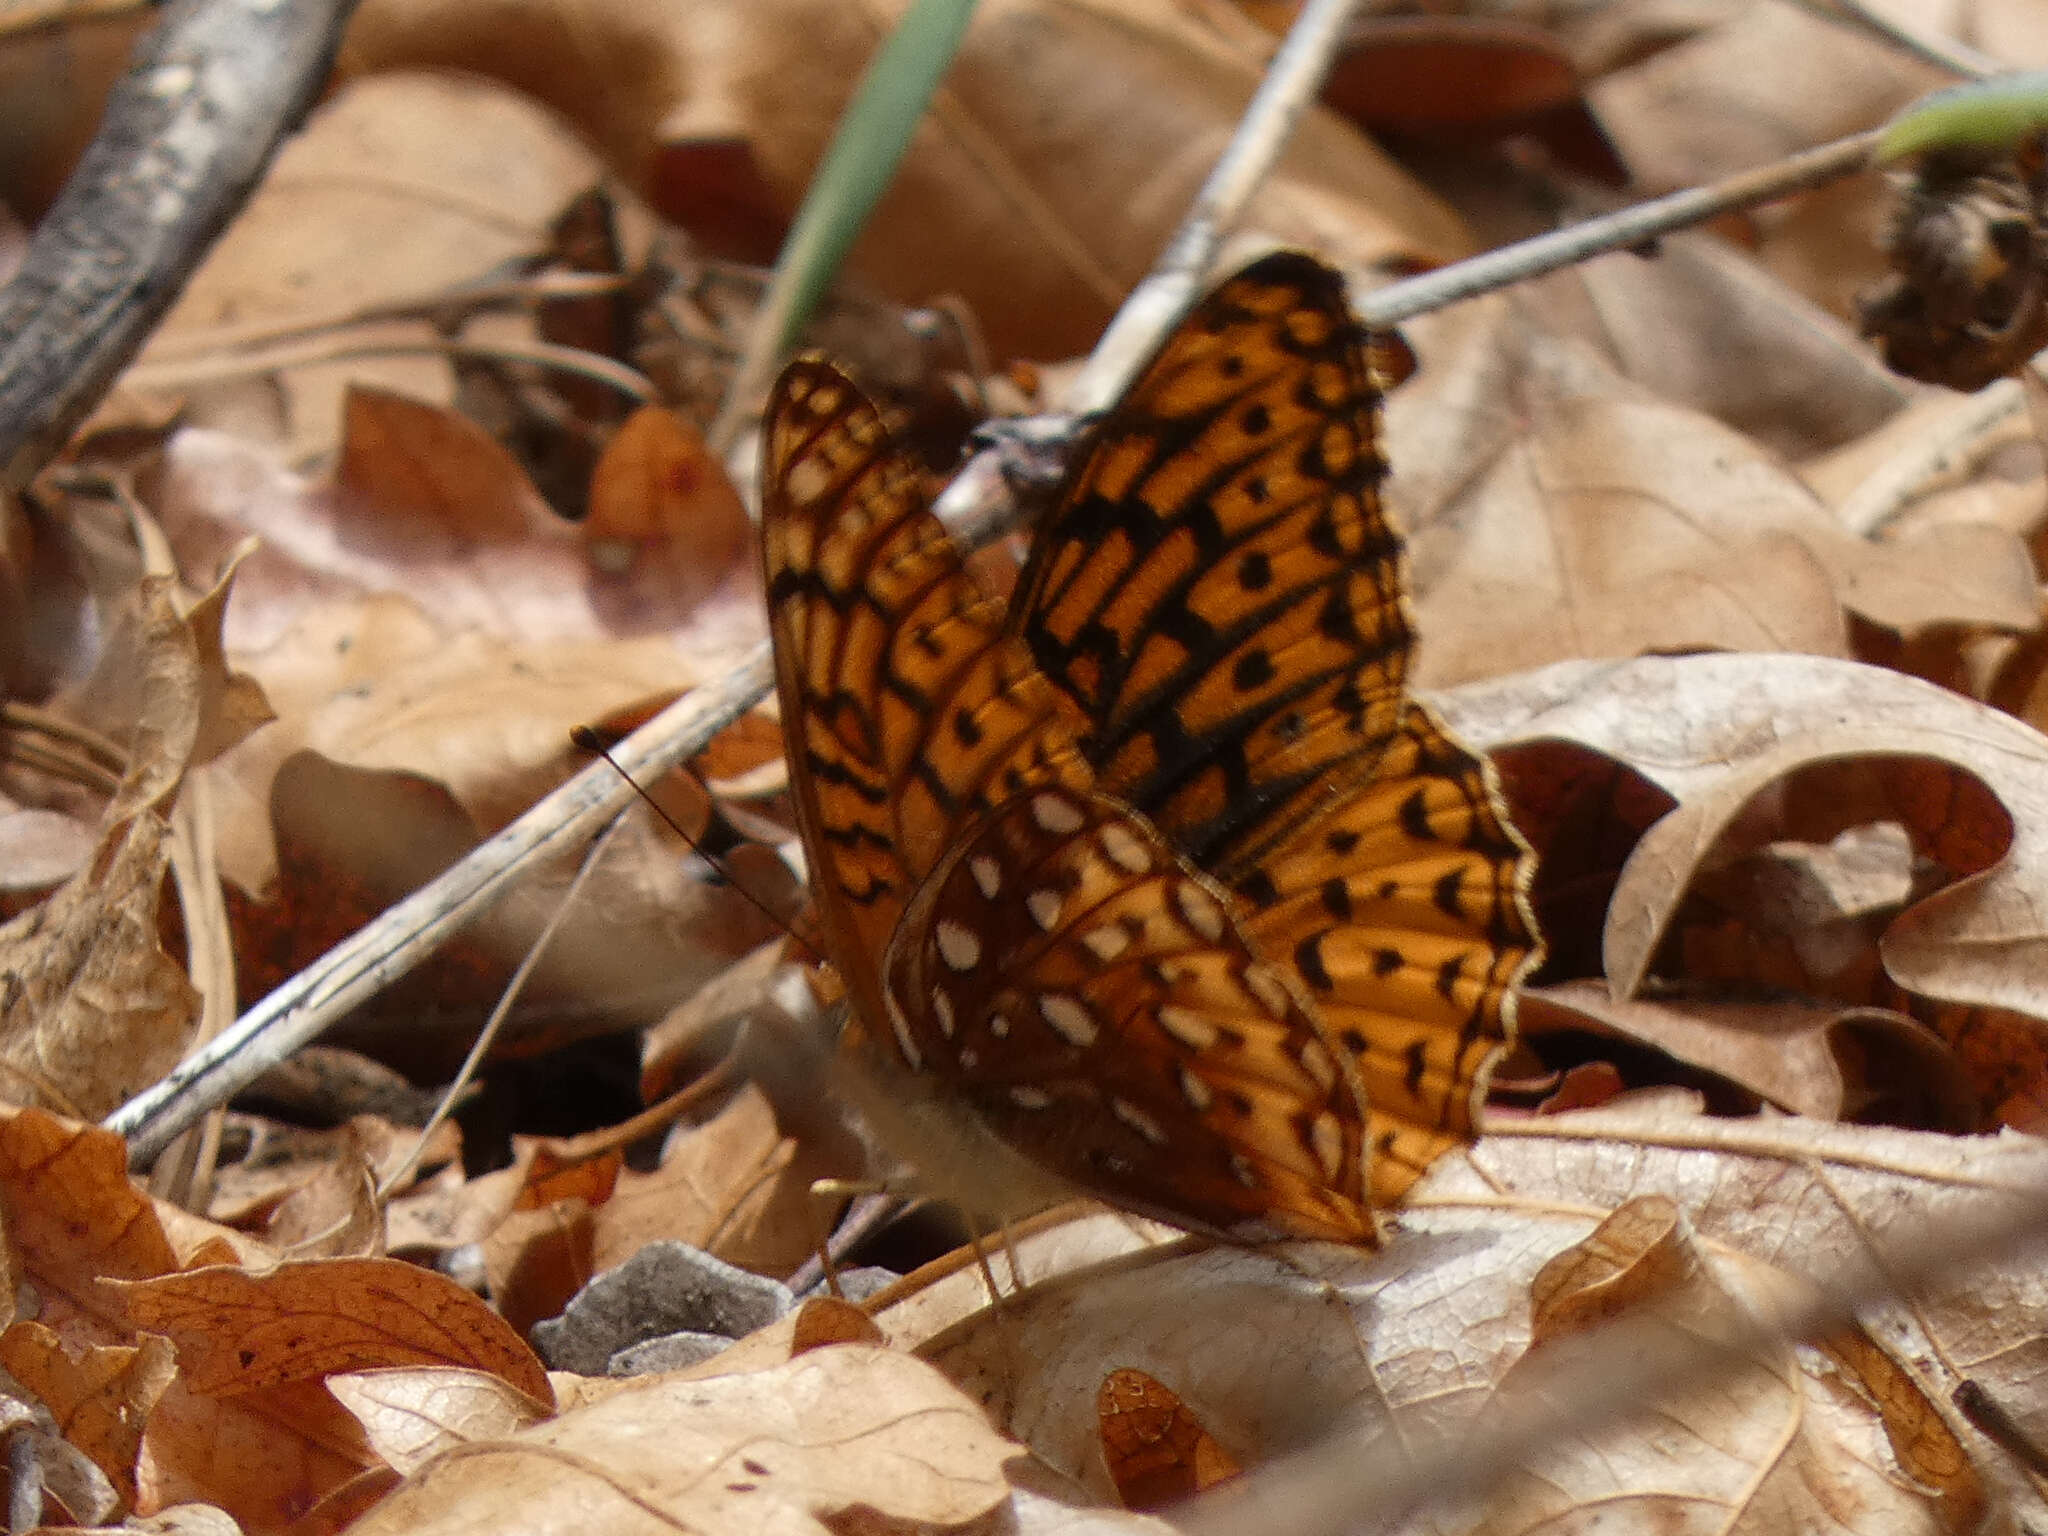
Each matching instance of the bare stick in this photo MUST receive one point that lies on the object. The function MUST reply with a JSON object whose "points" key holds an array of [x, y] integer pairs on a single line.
{"points": [[1625, 229], [188, 131], [1170, 289], [370, 959]]}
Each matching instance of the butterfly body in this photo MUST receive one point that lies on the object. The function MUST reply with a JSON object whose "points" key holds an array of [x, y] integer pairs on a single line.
{"points": [[1154, 877]]}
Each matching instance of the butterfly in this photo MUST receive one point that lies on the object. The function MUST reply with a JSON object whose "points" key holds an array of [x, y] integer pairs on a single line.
{"points": [[1154, 875]]}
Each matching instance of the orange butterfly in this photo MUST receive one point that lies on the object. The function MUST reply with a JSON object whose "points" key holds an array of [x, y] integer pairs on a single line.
{"points": [[1154, 880]]}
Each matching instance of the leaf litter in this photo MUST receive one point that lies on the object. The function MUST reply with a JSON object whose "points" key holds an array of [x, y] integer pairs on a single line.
{"points": [[1751, 624]]}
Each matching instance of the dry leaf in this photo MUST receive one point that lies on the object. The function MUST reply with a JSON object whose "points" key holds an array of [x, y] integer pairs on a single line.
{"points": [[1714, 731], [1420, 1340], [1039, 221], [660, 502], [396, 191], [238, 1332], [413, 1414], [1578, 519], [794, 1448]]}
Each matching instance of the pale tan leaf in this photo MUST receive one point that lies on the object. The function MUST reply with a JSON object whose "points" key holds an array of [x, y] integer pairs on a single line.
{"points": [[413, 1414], [775, 1451]]}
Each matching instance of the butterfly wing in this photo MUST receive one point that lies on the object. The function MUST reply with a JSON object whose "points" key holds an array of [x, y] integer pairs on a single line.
{"points": [[1217, 588], [907, 711], [1093, 998], [1403, 912]]}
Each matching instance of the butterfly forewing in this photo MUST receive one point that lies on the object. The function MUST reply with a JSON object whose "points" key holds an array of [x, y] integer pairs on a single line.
{"points": [[1217, 588], [906, 710], [1094, 998], [1403, 914]]}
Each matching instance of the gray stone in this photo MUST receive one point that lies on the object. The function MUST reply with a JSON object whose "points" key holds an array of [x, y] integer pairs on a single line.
{"points": [[670, 1352], [667, 1287]]}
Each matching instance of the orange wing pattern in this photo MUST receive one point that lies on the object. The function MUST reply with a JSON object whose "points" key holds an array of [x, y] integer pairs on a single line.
{"points": [[1217, 587], [1096, 1001], [906, 712], [1403, 912]]}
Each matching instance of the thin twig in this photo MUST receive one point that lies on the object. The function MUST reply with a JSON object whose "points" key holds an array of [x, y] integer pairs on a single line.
{"points": [[1624, 229], [488, 1035], [187, 132], [402, 936], [183, 373]]}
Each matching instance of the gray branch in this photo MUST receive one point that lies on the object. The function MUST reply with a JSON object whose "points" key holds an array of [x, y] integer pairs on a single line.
{"points": [[186, 135]]}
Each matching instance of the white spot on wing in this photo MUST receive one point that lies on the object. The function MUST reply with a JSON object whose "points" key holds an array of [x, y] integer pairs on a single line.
{"points": [[1198, 1093], [1200, 909], [1138, 1120], [1125, 848], [988, 875], [1107, 942], [1069, 1018], [958, 946], [1030, 1098], [1055, 814], [1326, 1138], [942, 1010], [1188, 1027], [1044, 907]]}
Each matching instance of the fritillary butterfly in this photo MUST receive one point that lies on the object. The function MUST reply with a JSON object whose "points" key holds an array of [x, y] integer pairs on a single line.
{"points": [[1155, 877]]}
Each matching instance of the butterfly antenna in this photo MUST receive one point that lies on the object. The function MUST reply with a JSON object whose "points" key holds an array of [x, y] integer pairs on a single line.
{"points": [[589, 741]]}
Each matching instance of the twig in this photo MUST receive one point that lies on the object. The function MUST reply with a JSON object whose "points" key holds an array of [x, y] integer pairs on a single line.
{"points": [[1170, 289], [487, 1036], [183, 372], [188, 130], [1624, 229], [385, 949]]}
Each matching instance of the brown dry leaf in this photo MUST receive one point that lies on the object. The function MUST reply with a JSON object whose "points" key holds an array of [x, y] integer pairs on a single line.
{"points": [[734, 1186], [77, 1224], [1421, 1339], [101, 1398], [237, 1332], [282, 1158], [399, 189], [536, 1261], [1568, 516], [1866, 745], [430, 479], [661, 502], [797, 1448], [1040, 221], [527, 578], [1763, 82], [399, 751], [1823, 1060], [1156, 1451], [95, 1010], [413, 1414]]}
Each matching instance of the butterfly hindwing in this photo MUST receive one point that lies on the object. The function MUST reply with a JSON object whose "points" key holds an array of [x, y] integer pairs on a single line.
{"points": [[1403, 913], [1095, 999]]}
